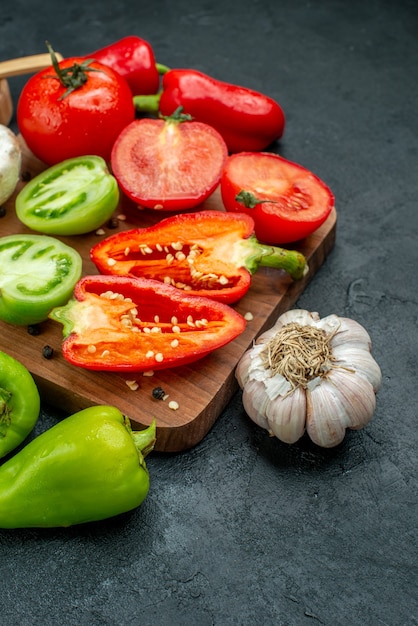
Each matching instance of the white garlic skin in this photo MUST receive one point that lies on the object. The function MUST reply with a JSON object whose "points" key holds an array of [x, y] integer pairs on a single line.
{"points": [[10, 163], [345, 397]]}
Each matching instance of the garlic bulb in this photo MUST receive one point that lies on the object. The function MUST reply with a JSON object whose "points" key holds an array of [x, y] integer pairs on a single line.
{"points": [[307, 374], [10, 162]]}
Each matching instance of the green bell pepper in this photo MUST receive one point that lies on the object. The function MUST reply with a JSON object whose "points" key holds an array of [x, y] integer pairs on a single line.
{"points": [[19, 403], [37, 273], [73, 197], [88, 467]]}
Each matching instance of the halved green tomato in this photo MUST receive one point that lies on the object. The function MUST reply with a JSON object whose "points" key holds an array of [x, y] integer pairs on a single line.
{"points": [[37, 273], [73, 197]]}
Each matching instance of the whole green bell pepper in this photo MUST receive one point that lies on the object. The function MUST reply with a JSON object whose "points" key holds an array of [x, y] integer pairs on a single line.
{"points": [[19, 403], [88, 467]]}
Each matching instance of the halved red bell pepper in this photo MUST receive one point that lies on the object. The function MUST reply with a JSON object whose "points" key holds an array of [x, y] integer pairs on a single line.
{"points": [[134, 59], [247, 119], [116, 323], [206, 253]]}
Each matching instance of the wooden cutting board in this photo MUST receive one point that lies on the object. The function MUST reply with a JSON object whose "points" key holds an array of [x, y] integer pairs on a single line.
{"points": [[203, 389]]}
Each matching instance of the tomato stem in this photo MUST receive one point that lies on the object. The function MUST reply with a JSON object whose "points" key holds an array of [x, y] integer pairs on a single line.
{"points": [[249, 200], [72, 77], [177, 117]]}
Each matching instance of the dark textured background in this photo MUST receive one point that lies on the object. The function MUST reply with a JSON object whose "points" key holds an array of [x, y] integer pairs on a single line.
{"points": [[244, 530]]}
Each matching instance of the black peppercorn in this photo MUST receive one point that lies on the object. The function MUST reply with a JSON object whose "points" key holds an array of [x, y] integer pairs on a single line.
{"points": [[26, 176], [34, 329], [47, 352], [113, 222], [158, 393]]}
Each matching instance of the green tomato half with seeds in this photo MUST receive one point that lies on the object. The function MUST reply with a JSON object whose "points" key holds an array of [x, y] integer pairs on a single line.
{"points": [[37, 273], [73, 197]]}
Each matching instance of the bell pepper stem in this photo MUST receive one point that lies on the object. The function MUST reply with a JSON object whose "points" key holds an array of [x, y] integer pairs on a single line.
{"points": [[162, 69], [147, 104], [263, 255], [145, 439]]}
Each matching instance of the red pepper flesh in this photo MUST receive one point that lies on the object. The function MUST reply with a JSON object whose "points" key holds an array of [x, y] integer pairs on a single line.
{"points": [[134, 59], [207, 253], [247, 120], [116, 323]]}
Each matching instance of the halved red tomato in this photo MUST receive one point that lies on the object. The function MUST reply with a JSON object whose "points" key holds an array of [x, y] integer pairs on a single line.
{"points": [[168, 164], [286, 201]]}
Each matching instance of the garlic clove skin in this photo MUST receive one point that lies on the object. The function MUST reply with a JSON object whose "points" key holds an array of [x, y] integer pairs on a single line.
{"points": [[361, 361], [326, 418], [352, 333], [357, 395], [266, 335], [342, 400], [242, 371], [286, 416], [300, 316], [10, 163], [254, 401]]}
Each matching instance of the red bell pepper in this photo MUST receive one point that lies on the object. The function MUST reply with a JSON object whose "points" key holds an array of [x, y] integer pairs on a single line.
{"points": [[248, 120], [134, 59], [207, 253], [116, 323]]}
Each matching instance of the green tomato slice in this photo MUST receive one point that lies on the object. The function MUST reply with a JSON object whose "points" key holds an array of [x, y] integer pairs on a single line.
{"points": [[19, 403], [73, 197], [37, 273]]}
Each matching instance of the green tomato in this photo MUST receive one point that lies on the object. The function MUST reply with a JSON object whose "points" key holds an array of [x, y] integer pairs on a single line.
{"points": [[37, 273], [73, 197], [19, 403]]}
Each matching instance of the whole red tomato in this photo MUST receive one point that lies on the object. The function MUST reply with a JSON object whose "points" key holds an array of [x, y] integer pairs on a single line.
{"points": [[74, 108], [286, 201]]}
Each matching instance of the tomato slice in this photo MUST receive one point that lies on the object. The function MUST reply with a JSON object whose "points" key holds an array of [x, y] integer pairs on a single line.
{"points": [[37, 273], [168, 165], [286, 201], [73, 197]]}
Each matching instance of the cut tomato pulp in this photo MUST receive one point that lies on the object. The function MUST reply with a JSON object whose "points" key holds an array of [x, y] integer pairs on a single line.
{"points": [[168, 165]]}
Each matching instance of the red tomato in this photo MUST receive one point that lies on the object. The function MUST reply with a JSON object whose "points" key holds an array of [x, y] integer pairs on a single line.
{"points": [[286, 201], [58, 126], [168, 164]]}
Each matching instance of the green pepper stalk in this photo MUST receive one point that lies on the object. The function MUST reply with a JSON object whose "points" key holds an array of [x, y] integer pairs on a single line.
{"points": [[88, 467], [254, 254]]}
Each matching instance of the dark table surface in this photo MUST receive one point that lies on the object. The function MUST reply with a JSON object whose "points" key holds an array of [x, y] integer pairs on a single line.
{"points": [[243, 529]]}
